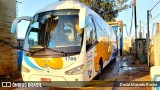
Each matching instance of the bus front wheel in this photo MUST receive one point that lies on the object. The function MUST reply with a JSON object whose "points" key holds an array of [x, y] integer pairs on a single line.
{"points": [[100, 67]]}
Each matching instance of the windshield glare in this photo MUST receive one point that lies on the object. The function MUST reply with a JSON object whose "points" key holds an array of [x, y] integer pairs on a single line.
{"points": [[57, 30]]}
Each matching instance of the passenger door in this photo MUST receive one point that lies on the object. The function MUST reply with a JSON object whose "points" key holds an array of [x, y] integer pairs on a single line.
{"points": [[91, 40]]}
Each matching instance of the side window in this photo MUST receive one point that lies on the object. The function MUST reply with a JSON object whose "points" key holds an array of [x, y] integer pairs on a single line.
{"points": [[99, 32], [91, 33], [33, 37]]}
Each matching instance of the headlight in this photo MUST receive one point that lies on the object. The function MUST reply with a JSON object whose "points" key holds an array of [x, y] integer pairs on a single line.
{"points": [[76, 70], [24, 69]]}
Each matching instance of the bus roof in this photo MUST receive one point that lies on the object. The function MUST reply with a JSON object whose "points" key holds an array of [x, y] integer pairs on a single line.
{"points": [[61, 5], [67, 5]]}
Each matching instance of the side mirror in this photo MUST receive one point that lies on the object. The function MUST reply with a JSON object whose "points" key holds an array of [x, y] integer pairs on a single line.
{"points": [[17, 20]]}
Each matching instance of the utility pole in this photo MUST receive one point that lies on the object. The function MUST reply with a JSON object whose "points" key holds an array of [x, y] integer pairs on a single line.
{"points": [[135, 19], [135, 29], [17, 2], [140, 26], [121, 37], [148, 36], [148, 33], [140, 32], [148, 14]]}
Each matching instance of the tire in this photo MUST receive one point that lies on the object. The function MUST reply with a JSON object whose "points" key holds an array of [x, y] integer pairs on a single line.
{"points": [[100, 70], [114, 59]]}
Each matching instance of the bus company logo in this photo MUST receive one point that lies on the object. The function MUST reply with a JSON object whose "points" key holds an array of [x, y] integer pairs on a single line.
{"points": [[6, 84]]}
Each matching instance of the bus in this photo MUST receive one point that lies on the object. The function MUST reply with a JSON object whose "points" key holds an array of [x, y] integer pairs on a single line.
{"points": [[70, 43]]}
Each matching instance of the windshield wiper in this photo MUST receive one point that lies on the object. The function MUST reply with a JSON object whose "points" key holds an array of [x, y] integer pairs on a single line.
{"points": [[44, 48]]}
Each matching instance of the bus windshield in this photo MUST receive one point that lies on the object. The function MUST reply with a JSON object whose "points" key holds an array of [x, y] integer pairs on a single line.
{"points": [[58, 30]]}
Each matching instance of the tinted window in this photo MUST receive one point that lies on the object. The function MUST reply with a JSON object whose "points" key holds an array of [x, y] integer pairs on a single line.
{"points": [[91, 33]]}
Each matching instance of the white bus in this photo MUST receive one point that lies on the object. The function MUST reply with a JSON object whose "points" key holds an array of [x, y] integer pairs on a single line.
{"points": [[70, 43]]}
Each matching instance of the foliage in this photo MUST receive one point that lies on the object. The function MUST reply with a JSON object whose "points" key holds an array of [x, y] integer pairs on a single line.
{"points": [[107, 9]]}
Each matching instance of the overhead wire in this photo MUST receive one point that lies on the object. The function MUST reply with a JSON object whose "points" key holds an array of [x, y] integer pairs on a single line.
{"points": [[151, 3], [128, 34], [155, 5], [152, 19], [153, 8], [152, 12], [146, 9], [155, 17]]}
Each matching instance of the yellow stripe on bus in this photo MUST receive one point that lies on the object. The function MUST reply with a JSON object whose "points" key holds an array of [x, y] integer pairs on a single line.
{"points": [[103, 50], [54, 63]]}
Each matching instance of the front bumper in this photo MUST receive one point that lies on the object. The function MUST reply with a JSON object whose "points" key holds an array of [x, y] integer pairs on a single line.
{"points": [[56, 81]]}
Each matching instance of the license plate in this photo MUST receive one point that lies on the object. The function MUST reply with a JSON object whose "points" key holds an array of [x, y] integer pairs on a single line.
{"points": [[45, 79]]}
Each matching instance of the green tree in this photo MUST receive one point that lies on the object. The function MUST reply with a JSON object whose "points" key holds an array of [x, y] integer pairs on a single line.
{"points": [[107, 9]]}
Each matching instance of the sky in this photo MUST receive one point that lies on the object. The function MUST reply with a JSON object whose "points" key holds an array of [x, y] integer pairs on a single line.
{"points": [[30, 7], [141, 7]]}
